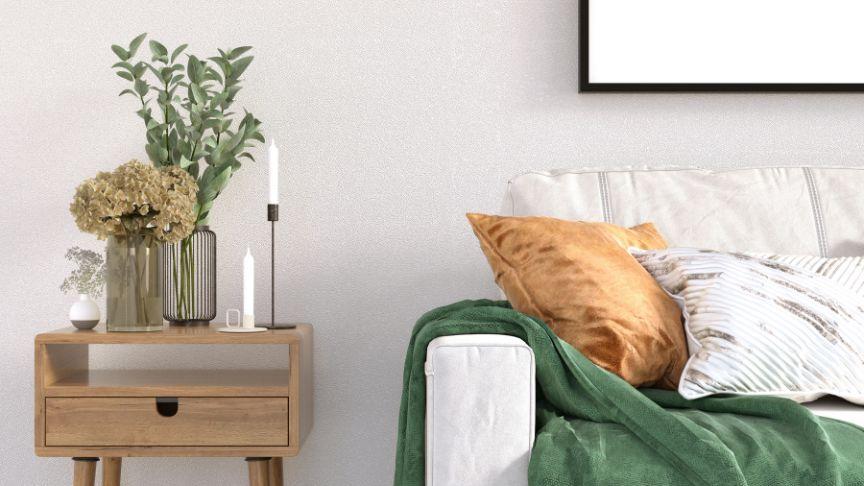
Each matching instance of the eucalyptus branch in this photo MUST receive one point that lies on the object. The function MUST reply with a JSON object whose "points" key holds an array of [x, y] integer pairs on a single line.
{"points": [[205, 129]]}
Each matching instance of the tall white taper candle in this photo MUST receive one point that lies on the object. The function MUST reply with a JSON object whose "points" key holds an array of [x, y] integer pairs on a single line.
{"points": [[273, 166], [248, 289]]}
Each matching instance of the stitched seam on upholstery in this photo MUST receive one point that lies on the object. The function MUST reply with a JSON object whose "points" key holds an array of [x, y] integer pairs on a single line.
{"points": [[512, 199], [609, 215], [604, 200], [816, 205]]}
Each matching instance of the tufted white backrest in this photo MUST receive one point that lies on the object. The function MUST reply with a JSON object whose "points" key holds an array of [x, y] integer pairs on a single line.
{"points": [[791, 210]]}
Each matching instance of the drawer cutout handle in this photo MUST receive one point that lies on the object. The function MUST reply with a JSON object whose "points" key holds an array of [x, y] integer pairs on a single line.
{"points": [[167, 406]]}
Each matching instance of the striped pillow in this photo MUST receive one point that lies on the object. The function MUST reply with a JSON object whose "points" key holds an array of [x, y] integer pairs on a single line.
{"points": [[789, 326]]}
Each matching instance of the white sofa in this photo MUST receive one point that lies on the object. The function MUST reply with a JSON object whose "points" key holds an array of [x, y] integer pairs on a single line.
{"points": [[480, 388]]}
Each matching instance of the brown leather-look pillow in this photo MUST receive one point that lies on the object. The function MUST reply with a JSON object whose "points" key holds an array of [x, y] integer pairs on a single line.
{"points": [[580, 279]]}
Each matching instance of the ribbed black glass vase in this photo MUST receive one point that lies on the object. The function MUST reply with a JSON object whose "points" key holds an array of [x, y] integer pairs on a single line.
{"points": [[189, 279]]}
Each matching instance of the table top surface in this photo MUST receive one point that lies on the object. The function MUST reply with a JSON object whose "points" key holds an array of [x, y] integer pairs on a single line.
{"points": [[176, 335]]}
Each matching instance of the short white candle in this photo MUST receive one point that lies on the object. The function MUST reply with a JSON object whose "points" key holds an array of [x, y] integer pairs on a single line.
{"points": [[273, 159], [248, 290]]}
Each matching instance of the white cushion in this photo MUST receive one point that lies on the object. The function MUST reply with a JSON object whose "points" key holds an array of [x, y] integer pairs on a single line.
{"points": [[761, 327]]}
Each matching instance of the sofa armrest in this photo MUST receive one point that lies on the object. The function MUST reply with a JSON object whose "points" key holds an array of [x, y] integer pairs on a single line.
{"points": [[479, 410]]}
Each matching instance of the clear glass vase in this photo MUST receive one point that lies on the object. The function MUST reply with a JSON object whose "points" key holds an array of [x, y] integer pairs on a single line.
{"points": [[134, 299]]}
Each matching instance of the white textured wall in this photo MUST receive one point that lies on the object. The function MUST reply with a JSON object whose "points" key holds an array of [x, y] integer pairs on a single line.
{"points": [[394, 118]]}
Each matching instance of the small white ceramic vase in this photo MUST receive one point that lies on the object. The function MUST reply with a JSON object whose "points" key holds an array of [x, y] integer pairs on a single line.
{"points": [[84, 313]]}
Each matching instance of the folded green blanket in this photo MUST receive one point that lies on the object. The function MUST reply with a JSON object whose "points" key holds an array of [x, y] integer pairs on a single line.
{"points": [[595, 429]]}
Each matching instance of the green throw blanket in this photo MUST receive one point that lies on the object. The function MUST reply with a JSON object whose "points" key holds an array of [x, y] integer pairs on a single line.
{"points": [[595, 429]]}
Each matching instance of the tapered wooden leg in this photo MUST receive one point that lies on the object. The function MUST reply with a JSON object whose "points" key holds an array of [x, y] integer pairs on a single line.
{"points": [[85, 471], [276, 471], [259, 473], [111, 471]]}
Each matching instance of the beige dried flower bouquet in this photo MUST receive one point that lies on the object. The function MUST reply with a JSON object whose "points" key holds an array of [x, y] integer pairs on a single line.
{"points": [[135, 207], [137, 200]]}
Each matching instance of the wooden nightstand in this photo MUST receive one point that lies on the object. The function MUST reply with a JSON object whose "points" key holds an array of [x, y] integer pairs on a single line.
{"points": [[86, 414]]}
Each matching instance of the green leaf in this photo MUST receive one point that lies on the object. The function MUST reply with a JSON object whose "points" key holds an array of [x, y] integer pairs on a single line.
{"points": [[216, 154], [224, 65], [139, 69], [155, 137], [239, 66], [123, 54], [197, 93], [123, 64], [193, 69], [172, 142], [211, 123], [200, 151], [212, 75], [128, 91], [141, 87], [219, 98], [238, 51], [184, 162], [155, 72], [157, 153], [153, 124], [172, 114], [125, 75], [221, 180], [178, 51], [193, 170], [136, 42], [153, 153], [232, 92], [158, 50], [165, 74], [145, 114], [204, 210], [234, 141], [205, 191]]}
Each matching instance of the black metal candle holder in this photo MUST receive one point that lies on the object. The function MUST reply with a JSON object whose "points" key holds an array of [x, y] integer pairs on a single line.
{"points": [[273, 216]]}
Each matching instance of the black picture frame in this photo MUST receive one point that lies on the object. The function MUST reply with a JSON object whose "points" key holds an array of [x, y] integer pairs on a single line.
{"points": [[585, 84]]}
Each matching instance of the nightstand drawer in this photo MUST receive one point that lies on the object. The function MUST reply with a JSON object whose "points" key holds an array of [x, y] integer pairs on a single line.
{"points": [[192, 421]]}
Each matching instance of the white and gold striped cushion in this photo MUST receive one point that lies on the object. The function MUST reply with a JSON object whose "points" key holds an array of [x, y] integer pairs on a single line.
{"points": [[790, 326]]}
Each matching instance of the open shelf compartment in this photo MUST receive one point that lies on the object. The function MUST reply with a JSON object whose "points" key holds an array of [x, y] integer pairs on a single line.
{"points": [[189, 383]]}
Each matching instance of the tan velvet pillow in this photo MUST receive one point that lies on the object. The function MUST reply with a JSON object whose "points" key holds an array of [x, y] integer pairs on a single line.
{"points": [[579, 278]]}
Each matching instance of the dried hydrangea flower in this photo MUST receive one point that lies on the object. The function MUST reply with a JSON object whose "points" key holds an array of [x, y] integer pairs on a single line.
{"points": [[137, 199]]}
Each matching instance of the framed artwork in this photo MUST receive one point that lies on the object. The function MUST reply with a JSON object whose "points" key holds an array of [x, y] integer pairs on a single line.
{"points": [[721, 45]]}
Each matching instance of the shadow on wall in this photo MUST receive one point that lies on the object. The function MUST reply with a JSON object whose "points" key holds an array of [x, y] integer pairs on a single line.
{"points": [[847, 248]]}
